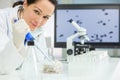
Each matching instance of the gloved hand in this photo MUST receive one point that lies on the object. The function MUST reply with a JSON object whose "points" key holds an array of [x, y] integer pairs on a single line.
{"points": [[57, 67], [20, 29]]}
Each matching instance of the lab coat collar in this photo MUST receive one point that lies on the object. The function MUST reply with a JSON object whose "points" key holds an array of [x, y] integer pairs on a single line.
{"points": [[15, 12]]}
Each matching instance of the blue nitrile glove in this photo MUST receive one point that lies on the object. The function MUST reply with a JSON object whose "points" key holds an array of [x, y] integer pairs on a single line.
{"points": [[28, 37]]}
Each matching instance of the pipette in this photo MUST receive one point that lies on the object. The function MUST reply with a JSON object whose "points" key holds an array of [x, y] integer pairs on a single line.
{"points": [[29, 37]]}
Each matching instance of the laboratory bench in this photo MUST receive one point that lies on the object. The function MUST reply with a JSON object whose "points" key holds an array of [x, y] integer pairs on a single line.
{"points": [[95, 65], [57, 76], [16, 75]]}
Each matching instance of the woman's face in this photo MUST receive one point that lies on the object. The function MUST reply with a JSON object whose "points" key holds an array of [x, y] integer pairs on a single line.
{"points": [[37, 14]]}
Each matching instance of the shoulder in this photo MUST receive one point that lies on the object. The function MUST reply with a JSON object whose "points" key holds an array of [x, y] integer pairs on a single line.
{"points": [[5, 14], [9, 12], [5, 10], [6, 17]]}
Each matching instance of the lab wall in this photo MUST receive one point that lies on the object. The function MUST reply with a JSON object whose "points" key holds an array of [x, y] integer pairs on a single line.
{"points": [[7, 3], [49, 34], [95, 1], [87, 1]]}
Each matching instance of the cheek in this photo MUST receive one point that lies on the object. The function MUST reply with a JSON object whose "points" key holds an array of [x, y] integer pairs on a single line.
{"points": [[42, 24], [27, 17], [30, 16]]}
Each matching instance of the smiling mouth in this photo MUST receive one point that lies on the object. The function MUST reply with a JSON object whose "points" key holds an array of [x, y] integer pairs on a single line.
{"points": [[34, 25]]}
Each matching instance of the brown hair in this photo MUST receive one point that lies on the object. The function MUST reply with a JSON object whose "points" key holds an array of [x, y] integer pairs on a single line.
{"points": [[29, 2]]}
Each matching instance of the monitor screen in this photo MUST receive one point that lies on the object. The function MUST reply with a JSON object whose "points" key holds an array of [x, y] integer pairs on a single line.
{"points": [[101, 22]]}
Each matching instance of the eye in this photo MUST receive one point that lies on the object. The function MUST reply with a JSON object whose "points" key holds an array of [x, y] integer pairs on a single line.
{"points": [[46, 17], [37, 12]]}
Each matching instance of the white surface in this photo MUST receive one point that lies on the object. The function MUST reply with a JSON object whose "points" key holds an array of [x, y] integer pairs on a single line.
{"points": [[44, 76], [92, 66], [116, 74], [57, 76]]}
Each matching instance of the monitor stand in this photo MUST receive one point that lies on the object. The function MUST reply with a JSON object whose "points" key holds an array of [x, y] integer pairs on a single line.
{"points": [[114, 52], [64, 54]]}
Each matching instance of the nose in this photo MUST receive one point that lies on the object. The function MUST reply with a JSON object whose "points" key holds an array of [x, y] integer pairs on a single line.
{"points": [[39, 19]]}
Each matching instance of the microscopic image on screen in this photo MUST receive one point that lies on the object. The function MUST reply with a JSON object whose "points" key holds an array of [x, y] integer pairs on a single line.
{"points": [[102, 25]]}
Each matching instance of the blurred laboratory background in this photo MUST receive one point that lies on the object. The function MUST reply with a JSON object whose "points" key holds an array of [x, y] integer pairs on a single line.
{"points": [[56, 36]]}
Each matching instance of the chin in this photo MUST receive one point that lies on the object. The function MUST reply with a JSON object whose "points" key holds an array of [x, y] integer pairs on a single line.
{"points": [[32, 28]]}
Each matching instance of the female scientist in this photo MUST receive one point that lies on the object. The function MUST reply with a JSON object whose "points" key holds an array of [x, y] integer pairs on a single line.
{"points": [[15, 23]]}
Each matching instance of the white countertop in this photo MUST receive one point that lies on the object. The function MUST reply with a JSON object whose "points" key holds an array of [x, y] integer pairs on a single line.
{"points": [[92, 66], [43, 76], [57, 76]]}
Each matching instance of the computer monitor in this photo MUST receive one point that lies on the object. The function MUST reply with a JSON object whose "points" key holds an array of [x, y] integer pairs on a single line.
{"points": [[100, 20]]}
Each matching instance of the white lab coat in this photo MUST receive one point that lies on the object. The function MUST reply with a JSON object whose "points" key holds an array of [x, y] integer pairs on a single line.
{"points": [[10, 58]]}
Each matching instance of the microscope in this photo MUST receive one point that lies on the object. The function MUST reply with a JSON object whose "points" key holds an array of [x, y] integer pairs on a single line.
{"points": [[74, 49]]}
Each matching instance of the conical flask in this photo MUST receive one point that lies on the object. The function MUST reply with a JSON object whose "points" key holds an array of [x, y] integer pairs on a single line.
{"points": [[29, 67]]}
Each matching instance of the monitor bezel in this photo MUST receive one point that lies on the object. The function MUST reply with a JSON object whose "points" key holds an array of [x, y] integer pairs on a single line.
{"points": [[87, 6]]}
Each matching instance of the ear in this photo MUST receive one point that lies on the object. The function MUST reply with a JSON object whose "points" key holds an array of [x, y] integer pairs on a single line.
{"points": [[25, 4]]}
